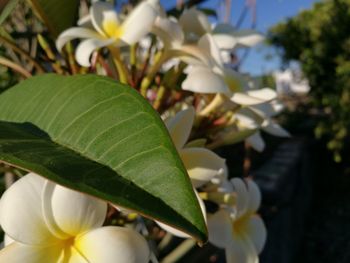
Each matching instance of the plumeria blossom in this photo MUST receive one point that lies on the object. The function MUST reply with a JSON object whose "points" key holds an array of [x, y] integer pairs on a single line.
{"points": [[239, 230], [109, 28], [193, 24], [209, 75], [45, 222], [201, 164], [193, 41], [259, 117]]}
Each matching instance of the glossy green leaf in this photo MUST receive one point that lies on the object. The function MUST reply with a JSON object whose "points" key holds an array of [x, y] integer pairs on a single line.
{"points": [[58, 15], [100, 137]]}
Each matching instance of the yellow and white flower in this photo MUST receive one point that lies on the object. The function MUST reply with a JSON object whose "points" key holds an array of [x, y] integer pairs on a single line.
{"points": [[109, 28], [202, 164], [259, 117], [209, 75], [45, 222], [239, 230]]}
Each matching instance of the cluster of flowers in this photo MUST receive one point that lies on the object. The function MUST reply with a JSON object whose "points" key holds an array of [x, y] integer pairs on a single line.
{"points": [[183, 68]]}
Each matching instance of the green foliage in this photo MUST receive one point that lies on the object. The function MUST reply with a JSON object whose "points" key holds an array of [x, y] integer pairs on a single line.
{"points": [[100, 137], [320, 40]]}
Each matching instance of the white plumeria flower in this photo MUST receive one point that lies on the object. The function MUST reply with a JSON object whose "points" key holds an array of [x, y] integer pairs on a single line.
{"points": [[201, 164], [239, 230], [177, 34], [109, 28], [259, 117], [193, 24], [45, 222], [209, 75]]}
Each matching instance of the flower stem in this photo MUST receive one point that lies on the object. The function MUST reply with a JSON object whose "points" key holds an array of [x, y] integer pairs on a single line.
{"points": [[160, 95], [56, 65], [122, 70], [159, 59], [218, 100], [71, 60], [180, 251]]}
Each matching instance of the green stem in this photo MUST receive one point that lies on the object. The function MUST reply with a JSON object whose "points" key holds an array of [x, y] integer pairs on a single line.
{"points": [[71, 59], [122, 70], [160, 95], [159, 59]]}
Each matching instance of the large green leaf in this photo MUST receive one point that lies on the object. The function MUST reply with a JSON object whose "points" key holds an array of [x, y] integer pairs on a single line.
{"points": [[100, 137], [58, 15]]}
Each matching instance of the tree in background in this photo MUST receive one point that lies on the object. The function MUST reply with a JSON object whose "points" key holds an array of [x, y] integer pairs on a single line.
{"points": [[319, 39]]}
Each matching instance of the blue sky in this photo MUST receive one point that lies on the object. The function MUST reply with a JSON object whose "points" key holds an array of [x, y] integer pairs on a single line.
{"points": [[269, 12]]}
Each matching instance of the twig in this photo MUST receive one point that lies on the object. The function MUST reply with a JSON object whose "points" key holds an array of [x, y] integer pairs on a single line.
{"points": [[15, 48], [15, 67]]}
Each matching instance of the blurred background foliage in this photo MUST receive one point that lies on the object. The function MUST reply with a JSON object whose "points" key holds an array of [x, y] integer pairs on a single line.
{"points": [[319, 39]]}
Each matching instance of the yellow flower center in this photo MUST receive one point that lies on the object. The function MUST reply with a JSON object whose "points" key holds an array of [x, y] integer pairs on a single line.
{"points": [[240, 225], [233, 84], [68, 243], [112, 28]]}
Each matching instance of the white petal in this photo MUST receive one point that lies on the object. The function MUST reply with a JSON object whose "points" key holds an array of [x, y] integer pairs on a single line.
{"points": [[202, 164], [267, 109], [244, 99], [85, 21], [225, 42], [180, 126], [275, 129], [100, 12], [168, 31], [193, 55], [254, 97], [113, 244], [20, 212], [20, 253], [220, 228], [254, 196], [204, 80], [256, 142], [265, 94], [248, 38], [8, 240], [72, 33], [194, 22], [241, 250], [257, 232], [70, 211], [246, 121], [177, 232], [208, 45], [138, 23], [85, 49], [234, 80], [225, 185], [242, 198]]}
